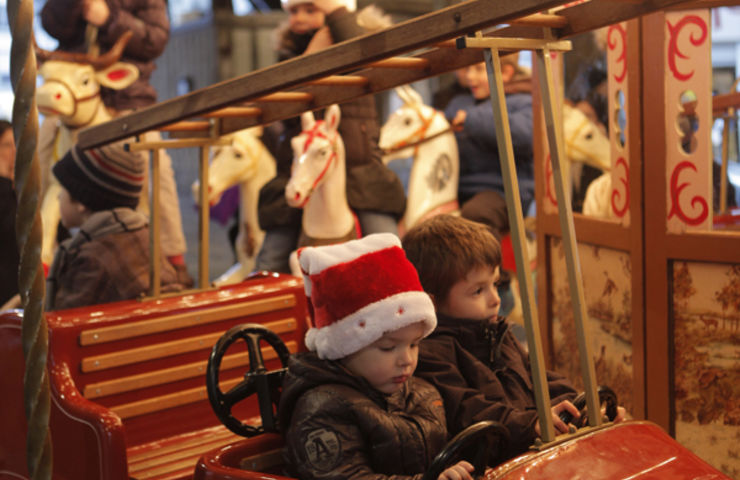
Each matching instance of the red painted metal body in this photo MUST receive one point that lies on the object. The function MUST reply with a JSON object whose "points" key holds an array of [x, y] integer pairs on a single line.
{"points": [[631, 450], [90, 440]]}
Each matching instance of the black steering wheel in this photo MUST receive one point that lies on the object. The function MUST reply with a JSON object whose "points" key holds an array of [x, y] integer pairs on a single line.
{"points": [[606, 397], [256, 379], [482, 436]]}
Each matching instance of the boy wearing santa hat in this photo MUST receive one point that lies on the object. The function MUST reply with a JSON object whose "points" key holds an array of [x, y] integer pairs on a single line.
{"points": [[350, 407]]}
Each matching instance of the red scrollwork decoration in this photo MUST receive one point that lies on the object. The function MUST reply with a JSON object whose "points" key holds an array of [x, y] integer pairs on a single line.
{"points": [[548, 181], [676, 190], [613, 43], [674, 51], [620, 211]]}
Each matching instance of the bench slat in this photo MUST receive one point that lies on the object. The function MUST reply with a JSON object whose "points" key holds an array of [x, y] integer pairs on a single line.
{"points": [[167, 375], [171, 461], [166, 349], [218, 434], [184, 320]]}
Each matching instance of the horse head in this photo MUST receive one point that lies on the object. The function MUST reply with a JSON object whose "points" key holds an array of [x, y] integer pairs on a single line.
{"points": [[585, 139], [72, 82], [235, 163], [318, 158], [409, 126]]}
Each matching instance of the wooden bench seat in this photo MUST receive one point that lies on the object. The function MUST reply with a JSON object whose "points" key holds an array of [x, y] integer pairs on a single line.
{"points": [[128, 379]]}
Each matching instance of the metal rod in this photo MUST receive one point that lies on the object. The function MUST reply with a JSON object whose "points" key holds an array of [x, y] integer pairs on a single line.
{"points": [[155, 220], [516, 223], [203, 220], [553, 123]]}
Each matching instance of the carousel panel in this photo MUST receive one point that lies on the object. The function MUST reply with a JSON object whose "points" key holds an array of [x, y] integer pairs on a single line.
{"points": [[706, 359]]}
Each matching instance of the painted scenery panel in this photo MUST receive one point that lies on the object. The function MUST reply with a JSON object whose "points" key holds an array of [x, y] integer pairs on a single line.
{"points": [[606, 279], [706, 316]]}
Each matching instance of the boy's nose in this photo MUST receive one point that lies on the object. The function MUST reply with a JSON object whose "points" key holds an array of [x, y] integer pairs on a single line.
{"points": [[406, 357]]}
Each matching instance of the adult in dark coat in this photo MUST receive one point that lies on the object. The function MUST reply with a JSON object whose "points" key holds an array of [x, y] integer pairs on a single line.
{"points": [[374, 192], [66, 20], [8, 246]]}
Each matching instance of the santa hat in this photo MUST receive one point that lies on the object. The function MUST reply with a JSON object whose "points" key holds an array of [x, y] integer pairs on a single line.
{"points": [[325, 5], [360, 290]]}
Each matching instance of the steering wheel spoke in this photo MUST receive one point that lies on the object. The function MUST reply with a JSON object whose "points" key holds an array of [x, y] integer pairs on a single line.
{"points": [[223, 402]]}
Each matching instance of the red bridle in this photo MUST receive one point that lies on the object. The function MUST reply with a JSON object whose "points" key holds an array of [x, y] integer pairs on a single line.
{"points": [[311, 134]]}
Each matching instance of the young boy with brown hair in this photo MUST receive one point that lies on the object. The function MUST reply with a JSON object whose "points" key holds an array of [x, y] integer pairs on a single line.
{"points": [[350, 407], [472, 357], [107, 259]]}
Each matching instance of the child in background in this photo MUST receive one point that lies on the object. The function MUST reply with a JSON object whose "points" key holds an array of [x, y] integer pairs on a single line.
{"points": [[473, 359], [107, 259], [350, 407], [148, 21]]}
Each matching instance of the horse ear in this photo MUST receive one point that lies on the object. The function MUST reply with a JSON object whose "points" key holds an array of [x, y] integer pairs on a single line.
{"points": [[118, 76], [413, 95], [332, 116], [401, 92], [307, 120], [257, 131]]}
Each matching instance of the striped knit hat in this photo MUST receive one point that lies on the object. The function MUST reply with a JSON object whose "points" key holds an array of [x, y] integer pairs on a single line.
{"points": [[102, 178], [360, 290]]}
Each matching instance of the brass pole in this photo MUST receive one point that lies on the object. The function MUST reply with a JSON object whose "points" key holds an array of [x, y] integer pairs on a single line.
{"points": [[28, 234]]}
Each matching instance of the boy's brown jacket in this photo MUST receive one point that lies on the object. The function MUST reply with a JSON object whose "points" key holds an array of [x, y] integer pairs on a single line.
{"points": [[337, 426], [483, 373]]}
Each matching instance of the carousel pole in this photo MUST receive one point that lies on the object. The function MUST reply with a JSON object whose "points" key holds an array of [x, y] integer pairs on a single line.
{"points": [[28, 234]]}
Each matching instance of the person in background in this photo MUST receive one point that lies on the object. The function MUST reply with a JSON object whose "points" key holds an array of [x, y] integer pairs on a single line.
{"points": [[350, 407], [472, 357], [67, 21], [9, 258], [374, 192], [107, 259]]}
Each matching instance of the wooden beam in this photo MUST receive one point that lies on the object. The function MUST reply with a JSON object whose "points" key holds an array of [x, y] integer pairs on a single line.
{"points": [[437, 27], [443, 24]]}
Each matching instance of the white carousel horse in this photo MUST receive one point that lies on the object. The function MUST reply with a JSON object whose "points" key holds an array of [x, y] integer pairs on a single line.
{"points": [[246, 162], [71, 92], [318, 183], [419, 131]]}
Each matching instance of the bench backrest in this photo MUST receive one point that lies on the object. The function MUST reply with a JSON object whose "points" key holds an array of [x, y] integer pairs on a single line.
{"points": [[139, 367]]}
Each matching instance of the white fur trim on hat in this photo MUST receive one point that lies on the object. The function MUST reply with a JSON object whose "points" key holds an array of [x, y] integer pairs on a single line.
{"points": [[368, 324]]}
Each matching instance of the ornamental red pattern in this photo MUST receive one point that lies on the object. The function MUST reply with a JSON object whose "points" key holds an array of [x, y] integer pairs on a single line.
{"points": [[614, 35], [676, 190], [674, 51], [620, 211]]}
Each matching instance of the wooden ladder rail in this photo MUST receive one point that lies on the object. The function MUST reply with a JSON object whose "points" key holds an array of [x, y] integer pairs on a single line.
{"points": [[306, 73]]}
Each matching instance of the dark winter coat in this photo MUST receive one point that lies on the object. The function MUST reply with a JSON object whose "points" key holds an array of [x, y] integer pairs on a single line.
{"points": [[370, 184], [483, 373], [480, 166], [148, 21], [338, 427], [107, 260], [9, 258]]}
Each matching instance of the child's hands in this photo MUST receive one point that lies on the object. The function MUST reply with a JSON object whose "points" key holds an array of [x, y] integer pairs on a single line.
{"points": [[560, 425], [459, 120], [95, 12], [459, 471], [320, 40]]}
